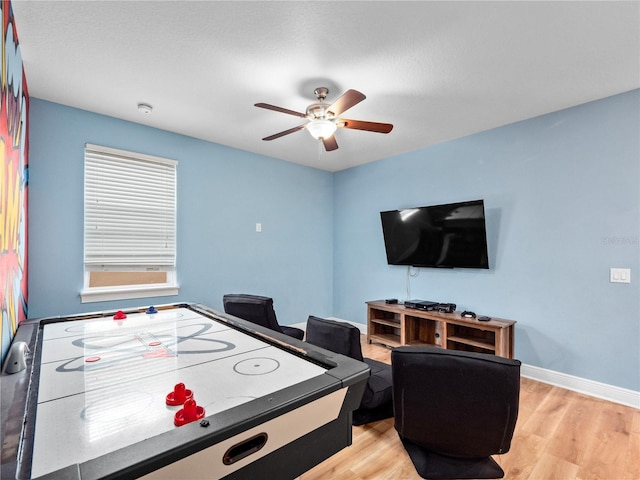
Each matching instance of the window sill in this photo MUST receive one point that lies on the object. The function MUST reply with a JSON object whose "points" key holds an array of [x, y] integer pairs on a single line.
{"points": [[106, 294]]}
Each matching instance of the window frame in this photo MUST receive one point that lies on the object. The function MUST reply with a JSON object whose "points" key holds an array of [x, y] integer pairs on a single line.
{"points": [[168, 262]]}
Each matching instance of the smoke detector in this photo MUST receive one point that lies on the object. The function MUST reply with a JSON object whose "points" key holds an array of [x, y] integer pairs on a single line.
{"points": [[145, 108]]}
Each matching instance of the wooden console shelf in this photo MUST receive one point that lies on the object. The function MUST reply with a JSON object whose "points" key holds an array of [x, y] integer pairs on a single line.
{"points": [[395, 325]]}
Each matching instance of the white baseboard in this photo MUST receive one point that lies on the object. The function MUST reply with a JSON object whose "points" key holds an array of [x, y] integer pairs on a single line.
{"points": [[592, 388], [604, 391]]}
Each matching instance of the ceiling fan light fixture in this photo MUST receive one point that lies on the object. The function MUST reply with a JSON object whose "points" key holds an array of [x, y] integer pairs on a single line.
{"points": [[320, 129]]}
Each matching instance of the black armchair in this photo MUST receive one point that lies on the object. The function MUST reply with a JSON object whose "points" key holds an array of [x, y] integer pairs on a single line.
{"points": [[454, 409], [258, 310], [344, 338]]}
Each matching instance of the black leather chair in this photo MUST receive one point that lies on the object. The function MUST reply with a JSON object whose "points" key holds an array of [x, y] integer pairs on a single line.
{"points": [[344, 338], [454, 409], [258, 310]]}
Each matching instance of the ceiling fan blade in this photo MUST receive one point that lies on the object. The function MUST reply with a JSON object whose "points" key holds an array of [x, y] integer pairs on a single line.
{"points": [[330, 143], [347, 100], [368, 126], [286, 132], [280, 109]]}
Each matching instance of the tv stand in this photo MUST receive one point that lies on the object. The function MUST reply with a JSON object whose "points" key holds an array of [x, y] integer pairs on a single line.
{"points": [[395, 325]]}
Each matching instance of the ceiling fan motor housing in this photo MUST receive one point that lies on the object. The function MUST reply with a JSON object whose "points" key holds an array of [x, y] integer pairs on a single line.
{"points": [[317, 111]]}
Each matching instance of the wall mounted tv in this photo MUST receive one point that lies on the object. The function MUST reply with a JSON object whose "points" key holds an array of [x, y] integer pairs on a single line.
{"points": [[445, 236]]}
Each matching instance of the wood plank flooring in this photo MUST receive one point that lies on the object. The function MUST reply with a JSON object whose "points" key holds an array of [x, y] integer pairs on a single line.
{"points": [[560, 435]]}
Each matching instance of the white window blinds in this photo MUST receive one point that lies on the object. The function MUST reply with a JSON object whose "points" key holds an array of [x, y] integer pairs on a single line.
{"points": [[129, 210]]}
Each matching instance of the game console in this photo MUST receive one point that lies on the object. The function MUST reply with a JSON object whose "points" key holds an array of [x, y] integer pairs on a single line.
{"points": [[446, 307], [421, 304]]}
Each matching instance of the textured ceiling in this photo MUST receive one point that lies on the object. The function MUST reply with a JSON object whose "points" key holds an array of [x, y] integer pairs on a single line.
{"points": [[436, 70]]}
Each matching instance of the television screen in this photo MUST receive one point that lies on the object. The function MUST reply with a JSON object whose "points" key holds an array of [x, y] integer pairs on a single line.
{"points": [[447, 236]]}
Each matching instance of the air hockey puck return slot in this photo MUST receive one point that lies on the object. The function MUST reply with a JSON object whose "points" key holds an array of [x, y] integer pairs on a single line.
{"points": [[245, 448]]}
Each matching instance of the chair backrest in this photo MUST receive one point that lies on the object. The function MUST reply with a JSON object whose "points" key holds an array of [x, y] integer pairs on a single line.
{"points": [[338, 337], [455, 403], [253, 308]]}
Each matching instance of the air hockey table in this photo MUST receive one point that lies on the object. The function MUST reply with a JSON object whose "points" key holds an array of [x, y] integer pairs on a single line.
{"points": [[180, 391]]}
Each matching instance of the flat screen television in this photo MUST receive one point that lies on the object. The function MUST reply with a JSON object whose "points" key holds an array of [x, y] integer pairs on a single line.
{"points": [[445, 236]]}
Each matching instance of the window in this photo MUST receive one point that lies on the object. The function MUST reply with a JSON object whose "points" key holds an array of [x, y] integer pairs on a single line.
{"points": [[129, 225]]}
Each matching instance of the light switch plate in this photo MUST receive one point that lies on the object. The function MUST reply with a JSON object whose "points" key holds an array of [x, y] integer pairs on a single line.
{"points": [[620, 275]]}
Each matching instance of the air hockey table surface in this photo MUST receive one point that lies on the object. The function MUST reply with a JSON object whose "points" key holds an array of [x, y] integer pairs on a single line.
{"points": [[104, 397]]}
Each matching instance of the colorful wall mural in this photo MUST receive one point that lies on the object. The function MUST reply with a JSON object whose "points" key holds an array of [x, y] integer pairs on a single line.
{"points": [[13, 181]]}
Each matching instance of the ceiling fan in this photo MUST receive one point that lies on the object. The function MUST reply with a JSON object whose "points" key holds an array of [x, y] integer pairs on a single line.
{"points": [[323, 118]]}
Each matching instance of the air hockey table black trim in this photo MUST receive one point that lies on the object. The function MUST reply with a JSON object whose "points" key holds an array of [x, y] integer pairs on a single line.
{"points": [[19, 400]]}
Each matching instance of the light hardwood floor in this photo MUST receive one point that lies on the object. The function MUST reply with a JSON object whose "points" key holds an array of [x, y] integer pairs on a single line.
{"points": [[560, 435]]}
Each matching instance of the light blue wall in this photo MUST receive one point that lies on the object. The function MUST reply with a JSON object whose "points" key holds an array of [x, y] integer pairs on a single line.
{"points": [[562, 198], [222, 194]]}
